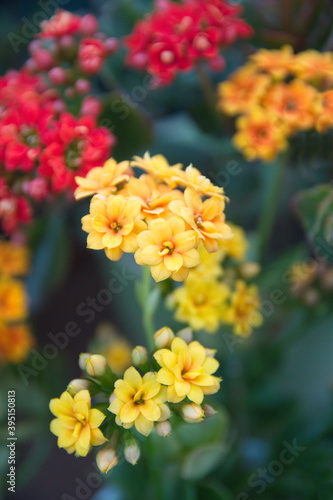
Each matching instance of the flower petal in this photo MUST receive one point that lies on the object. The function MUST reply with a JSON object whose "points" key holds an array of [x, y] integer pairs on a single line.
{"points": [[143, 425]]}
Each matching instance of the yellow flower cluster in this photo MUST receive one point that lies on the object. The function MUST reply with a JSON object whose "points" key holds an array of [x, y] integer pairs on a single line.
{"points": [[213, 293], [15, 337], [276, 94], [160, 216], [144, 400]]}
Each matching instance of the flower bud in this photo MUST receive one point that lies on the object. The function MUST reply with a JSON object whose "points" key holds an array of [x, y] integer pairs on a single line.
{"points": [[210, 353], [106, 458], [186, 334], [249, 270], [43, 59], [192, 413], [82, 86], [209, 410], [76, 385], [111, 45], [82, 359], [139, 355], [57, 75], [132, 451], [164, 428], [91, 106], [88, 25], [95, 365], [163, 337]]}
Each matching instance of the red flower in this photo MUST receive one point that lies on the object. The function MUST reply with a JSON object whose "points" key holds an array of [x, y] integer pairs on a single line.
{"points": [[62, 23], [74, 146], [14, 210], [175, 36], [92, 54]]}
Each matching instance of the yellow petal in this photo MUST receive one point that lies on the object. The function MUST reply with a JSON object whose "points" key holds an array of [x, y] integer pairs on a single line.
{"points": [[210, 365], [56, 427], [58, 408], [116, 206], [94, 240], [172, 395], [150, 388], [116, 406], [146, 238], [149, 255], [184, 241], [191, 258], [129, 243], [178, 344], [150, 410], [182, 388], [211, 208], [173, 261], [96, 417], [160, 272], [177, 225], [129, 412], [111, 240], [113, 254], [180, 275], [96, 437], [165, 376], [133, 378], [82, 446], [165, 357], [124, 391], [161, 230], [66, 438], [100, 223], [195, 394], [143, 425]]}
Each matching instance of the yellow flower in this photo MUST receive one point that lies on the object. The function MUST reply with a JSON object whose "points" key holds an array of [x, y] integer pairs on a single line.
{"points": [[154, 197], [242, 90], [313, 65], [205, 217], [260, 135], [187, 371], [244, 311], [13, 300], [118, 356], [324, 119], [199, 301], [104, 180], [168, 248], [293, 104], [15, 342], [276, 62], [236, 246], [159, 167], [113, 225], [76, 425], [193, 178], [139, 401], [14, 259]]}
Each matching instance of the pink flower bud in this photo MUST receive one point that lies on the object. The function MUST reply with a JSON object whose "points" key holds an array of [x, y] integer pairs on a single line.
{"points": [[91, 107], [34, 45], [57, 75], [67, 42], [82, 86], [88, 25], [43, 59], [36, 188], [217, 64], [111, 45]]}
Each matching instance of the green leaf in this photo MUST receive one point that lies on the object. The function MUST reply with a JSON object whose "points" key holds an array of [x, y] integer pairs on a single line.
{"points": [[201, 461]]}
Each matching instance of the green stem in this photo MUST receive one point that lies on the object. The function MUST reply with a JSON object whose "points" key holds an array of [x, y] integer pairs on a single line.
{"points": [[148, 299], [209, 93], [271, 204]]}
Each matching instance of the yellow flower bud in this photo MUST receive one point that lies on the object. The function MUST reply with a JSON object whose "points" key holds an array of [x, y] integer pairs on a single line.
{"points": [[82, 360], [186, 334], [163, 337], [132, 452], [76, 385], [164, 428], [249, 270], [139, 355], [106, 458], [192, 413], [210, 353], [95, 365]]}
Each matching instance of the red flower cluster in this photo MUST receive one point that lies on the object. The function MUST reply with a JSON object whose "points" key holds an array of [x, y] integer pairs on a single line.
{"points": [[70, 49], [175, 36], [42, 147]]}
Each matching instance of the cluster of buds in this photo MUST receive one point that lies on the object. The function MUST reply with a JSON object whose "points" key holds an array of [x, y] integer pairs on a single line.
{"points": [[70, 49], [157, 393], [311, 282], [176, 36]]}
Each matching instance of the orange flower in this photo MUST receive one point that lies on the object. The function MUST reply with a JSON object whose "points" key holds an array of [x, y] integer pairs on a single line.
{"points": [[205, 217], [243, 90], [15, 343], [276, 62], [292, 103], [168, 248], [113, 225], [313, 65], [103, 180], [193, 178], [154, 198], [260, 135], [13, 300], [14, 259], [325, 111], [159, 167]]}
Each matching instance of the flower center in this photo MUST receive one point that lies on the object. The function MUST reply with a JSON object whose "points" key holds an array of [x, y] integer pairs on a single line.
{"points": [[73, 154], [80, 418], [167, 248], [198, 220], [201, 43], [115, 226], [29, 136], [167, 57], [291, 105]]}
